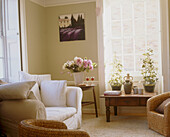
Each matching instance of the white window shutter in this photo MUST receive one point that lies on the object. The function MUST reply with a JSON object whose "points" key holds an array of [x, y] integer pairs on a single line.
{"points": [[131, 27], [12, 39]]}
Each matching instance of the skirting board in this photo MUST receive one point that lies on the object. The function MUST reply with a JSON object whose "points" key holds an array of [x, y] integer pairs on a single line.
{"points": [[89, 110]]}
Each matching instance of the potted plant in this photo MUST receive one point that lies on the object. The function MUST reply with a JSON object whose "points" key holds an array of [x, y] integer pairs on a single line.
{"points": [[77, 68], [149, 71], [116, 77]]}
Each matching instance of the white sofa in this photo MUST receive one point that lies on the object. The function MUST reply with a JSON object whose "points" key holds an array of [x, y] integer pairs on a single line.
{"points": [[13, 111]]}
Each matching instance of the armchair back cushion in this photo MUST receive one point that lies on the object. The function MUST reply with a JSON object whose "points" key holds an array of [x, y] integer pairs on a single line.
{"points": [[53, 93], [160, 108], [23, 76], [18, 90]]}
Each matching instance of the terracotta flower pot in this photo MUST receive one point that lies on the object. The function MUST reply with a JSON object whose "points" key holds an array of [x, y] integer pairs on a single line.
{"points": [[116, 87], [149, 87]]}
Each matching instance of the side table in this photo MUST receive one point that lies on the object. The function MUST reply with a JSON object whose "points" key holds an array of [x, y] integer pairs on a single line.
{"points": [[91, 88]]}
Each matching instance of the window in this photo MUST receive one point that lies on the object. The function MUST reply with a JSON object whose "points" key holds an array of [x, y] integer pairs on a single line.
{"points": [[10, 62], [130, 27]]}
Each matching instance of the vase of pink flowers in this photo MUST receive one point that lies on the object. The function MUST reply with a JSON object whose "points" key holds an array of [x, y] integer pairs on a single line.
{"points": [[78, 66]]}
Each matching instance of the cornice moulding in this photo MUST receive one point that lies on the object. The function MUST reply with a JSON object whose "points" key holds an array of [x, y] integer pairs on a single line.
{"points": [[39, 2], [51, 3]]}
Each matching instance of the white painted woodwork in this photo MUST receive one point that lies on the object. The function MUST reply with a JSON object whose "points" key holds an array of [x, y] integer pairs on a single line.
{"points": [[101, 74], [50, 3], [1, 44], [39, 2], [165, 43], [12, 39], [23, 36]]}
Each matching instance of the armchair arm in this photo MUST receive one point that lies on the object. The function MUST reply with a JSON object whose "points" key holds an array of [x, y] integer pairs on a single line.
{"points": [[47, 128], [167, 118], [154, 101], [53, 124], [74, 97], [18, 110]]}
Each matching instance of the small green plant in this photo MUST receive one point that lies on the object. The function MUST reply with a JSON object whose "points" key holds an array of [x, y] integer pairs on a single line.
{"points": [[149, 71], [116, 77]]}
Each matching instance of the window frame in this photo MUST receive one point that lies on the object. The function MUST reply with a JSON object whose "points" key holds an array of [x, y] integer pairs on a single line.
{"points": [[5, 64]]}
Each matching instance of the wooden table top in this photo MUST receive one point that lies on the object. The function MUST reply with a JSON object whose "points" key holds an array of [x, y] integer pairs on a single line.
{"points": [[83, 86], [128, 95], [86, 86]]}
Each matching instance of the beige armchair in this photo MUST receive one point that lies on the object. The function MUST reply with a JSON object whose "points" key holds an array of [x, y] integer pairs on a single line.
{"points": [[159, 122], [47, 128]]}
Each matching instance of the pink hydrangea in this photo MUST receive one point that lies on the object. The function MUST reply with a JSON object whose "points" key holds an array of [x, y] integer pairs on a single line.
{"points": [[78, 61], [91, 67], [85, 62], [89, 62]]}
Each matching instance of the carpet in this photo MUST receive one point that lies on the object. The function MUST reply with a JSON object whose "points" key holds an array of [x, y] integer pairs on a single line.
{"points": [[119, 126]]}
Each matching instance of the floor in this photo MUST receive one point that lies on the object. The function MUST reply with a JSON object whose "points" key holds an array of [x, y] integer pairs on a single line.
{"points": [[120, 126]]}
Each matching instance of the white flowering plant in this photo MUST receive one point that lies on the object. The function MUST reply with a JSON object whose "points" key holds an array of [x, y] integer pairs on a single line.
{"points": [[149, 69], [79, 65], [116, 77]]}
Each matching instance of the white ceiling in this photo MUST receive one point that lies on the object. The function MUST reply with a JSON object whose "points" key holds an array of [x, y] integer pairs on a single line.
{"points": [[49, 3]]}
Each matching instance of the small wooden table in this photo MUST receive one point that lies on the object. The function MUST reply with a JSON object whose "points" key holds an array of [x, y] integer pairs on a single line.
{"points": [[125, 100], [85, 88]]}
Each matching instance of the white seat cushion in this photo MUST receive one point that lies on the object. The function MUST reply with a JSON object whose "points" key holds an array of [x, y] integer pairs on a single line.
{"points": [[60, 113]]}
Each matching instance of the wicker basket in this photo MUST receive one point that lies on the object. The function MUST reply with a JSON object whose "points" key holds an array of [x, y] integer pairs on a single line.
{"points": [[47, 128]]}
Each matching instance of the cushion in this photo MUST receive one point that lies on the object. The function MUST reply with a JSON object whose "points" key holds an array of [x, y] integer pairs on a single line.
{"points": [[35, 93], [19, 90], [23, 76], [160, 108], [53, 93], [60, 113]]}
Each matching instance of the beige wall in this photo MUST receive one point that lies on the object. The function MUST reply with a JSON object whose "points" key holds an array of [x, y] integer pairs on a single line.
{"points": [[46, 54], [60, 52], [36, 38]]}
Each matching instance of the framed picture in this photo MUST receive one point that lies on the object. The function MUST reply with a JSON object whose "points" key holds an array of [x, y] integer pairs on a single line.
{"points": [[72, 27]]}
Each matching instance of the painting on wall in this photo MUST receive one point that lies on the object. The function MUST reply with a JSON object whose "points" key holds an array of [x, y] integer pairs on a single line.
{"points": [[72, 27]]}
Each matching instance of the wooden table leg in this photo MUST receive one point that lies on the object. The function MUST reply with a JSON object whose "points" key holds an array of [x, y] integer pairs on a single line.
{"points": [[95, 104], [115, 110], [107, 113]]}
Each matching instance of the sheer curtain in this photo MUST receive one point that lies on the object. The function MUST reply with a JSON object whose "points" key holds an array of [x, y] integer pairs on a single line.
{"points": [[130, 28]]}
